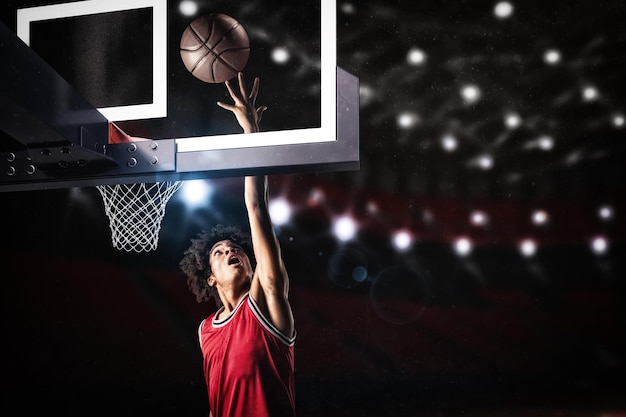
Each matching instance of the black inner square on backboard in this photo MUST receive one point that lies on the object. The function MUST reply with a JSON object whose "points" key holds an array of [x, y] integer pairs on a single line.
{"points": [[106, 57]]}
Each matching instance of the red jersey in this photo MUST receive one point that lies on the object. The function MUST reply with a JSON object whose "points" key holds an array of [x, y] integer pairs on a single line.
{"points": [[248, 364]]}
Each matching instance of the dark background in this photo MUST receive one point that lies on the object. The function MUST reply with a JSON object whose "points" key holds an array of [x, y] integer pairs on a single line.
{"points": [[90, 330]]}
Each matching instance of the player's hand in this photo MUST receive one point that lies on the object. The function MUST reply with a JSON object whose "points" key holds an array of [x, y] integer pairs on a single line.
{"points": [[244, 107]]}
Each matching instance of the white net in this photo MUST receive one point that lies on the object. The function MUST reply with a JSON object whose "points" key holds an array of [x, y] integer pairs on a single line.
{"points": [[135, 213]]}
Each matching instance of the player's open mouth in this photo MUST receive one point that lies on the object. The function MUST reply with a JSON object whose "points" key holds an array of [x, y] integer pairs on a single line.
{"points": [[234, 261]]}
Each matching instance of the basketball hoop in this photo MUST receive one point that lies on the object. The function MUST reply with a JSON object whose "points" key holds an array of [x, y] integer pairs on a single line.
{"points": [[135, 212]]}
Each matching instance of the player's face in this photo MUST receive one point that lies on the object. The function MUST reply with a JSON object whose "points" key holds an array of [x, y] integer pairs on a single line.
{"points": [[229, 262]]}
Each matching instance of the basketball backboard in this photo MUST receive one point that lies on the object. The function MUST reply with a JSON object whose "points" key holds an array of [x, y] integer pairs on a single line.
{"points": [[72, 73]]}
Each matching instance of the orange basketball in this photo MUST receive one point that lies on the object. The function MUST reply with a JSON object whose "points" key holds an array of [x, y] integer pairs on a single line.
{"points": [[214, 47]]}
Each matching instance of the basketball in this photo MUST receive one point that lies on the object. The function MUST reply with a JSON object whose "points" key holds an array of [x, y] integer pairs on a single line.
{"points": [[214, 47]]}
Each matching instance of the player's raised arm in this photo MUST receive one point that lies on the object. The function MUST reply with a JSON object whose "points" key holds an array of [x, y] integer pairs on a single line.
{"points": [[270, 284]]}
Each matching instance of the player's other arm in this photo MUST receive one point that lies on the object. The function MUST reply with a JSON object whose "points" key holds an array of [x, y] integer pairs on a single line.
{"points": [[270, 284], [200, 342]]}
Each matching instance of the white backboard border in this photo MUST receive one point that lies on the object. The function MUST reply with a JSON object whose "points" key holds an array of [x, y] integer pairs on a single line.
{"points": [[158, 108]]}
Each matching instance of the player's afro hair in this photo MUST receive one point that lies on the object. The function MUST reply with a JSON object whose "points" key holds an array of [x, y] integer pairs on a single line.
{"points": [[195, 262]]}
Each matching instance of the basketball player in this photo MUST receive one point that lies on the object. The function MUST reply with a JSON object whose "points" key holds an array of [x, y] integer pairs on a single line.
{"points": [[247, 344]]}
